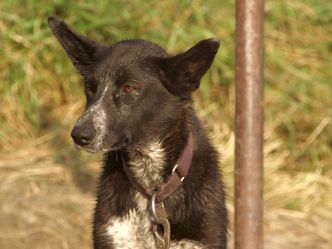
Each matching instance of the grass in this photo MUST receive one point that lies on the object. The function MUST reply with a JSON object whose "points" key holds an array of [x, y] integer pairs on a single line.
{"points": [[41, 96]]}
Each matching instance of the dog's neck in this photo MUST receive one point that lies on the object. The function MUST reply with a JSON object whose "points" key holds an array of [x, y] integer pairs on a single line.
{"points": [[152, 162], [147, 163]]}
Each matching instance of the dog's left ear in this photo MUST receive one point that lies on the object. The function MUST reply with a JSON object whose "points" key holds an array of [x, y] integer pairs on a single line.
{"points": [[181, 74]]}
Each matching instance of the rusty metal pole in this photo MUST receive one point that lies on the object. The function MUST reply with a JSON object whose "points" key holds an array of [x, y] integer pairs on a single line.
{"points": [[249, 124]]}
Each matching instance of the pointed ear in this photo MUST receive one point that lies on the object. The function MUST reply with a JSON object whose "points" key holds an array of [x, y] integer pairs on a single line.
{"points": [[81, 50], [181, 74]]}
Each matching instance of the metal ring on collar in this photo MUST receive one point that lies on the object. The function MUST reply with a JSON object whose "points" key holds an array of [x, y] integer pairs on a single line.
{"points": [[153, 207]]}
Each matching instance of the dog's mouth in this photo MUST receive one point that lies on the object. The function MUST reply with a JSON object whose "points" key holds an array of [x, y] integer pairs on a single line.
{"points": [[91, 148]]}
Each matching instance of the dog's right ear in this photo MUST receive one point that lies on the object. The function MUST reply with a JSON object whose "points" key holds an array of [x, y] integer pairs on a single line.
{"points": [[81, 50]]}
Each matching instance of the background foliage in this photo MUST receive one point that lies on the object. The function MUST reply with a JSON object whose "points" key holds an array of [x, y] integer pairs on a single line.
{"points": [[41, 96]]}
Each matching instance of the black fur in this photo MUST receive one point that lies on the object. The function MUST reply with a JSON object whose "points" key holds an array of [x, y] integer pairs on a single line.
{"points": [[160, 106]]}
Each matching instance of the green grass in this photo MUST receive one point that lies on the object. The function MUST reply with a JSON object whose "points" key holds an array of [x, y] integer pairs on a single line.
{"points": [[41, 96], [39, 85]]}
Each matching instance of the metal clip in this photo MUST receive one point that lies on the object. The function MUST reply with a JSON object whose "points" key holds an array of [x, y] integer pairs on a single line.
{"points": [[161, 228], [175, 168]]}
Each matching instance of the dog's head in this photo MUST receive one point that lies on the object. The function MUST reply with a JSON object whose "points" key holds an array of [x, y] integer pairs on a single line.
{"points": [[133, 88]]}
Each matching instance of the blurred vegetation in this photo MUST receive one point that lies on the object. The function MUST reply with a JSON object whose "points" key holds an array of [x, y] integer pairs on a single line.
{"points": [[37, 78], [41, 94]]}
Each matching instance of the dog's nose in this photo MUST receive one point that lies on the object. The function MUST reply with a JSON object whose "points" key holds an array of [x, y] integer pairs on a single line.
{"points": [[83, 134]]}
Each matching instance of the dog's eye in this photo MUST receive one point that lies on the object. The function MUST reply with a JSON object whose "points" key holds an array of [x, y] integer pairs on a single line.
{"points": [[129, 88]]}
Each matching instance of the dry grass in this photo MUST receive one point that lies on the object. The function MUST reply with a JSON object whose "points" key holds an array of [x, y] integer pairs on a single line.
{"points": [[298, 205], [42, 203], [47, 197], [47, 188]]}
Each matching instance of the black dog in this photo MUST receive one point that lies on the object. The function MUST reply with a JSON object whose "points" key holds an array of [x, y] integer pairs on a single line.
{"points": [[160, 186]]}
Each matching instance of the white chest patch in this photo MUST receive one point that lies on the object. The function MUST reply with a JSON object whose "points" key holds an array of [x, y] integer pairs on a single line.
{"points": [[133, 231], [147, 163]]}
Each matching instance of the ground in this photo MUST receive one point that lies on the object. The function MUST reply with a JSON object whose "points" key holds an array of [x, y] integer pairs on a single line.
{"points": [[47, 202]]}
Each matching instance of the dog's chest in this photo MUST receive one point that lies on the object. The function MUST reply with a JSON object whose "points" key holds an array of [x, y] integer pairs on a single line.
{"points": [[133, 231]]}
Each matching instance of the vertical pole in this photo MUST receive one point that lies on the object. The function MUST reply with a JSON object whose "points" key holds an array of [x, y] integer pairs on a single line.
{"points": [[249, 125]]}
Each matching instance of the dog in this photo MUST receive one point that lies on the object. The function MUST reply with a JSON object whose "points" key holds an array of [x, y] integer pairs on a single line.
{"points": [[160, 186]]}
